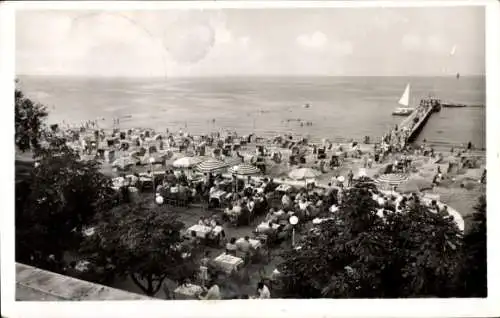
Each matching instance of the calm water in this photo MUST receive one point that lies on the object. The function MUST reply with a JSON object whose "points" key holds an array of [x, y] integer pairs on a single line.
{"points": [[341, 107]]}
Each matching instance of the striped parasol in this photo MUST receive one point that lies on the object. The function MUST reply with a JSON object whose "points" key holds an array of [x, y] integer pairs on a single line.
{"points": [[187, 162], [212, 165], [244, 169], [392, 178], [233, 161]]}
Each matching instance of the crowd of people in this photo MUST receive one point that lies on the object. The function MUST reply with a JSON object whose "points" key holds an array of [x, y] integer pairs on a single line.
{"points": [[236, 201]]}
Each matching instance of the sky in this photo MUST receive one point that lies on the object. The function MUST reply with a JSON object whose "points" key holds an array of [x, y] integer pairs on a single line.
{"points": [[252, 42]]}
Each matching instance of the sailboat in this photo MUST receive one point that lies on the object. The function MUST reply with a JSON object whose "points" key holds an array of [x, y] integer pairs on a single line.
{"points": [[405, 102], [452, 53]]}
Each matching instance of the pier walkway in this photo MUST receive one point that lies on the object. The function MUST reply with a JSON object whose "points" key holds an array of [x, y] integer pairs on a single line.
{"points": [[416, 121]]}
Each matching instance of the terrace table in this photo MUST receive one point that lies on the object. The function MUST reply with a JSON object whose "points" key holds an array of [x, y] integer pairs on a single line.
{"points": [[202, 231], [265, 226], [255, 244], [228, 263], [187, 291]]}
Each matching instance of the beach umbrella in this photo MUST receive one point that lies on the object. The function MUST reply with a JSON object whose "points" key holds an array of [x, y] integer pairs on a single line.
{"points": [[211, 165], [233, 161], [187, 162], [244, 169], [304, 173], [124, 163], [392, 178]]}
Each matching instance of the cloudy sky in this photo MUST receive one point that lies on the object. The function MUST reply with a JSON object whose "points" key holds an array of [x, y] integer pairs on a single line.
{"points": [[328, 41]]}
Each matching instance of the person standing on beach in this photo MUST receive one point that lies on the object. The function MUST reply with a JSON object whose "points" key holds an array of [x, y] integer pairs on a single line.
{"points": [[350, 177]]}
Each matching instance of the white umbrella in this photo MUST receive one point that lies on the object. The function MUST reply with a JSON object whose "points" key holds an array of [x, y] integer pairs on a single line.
{"points": [[244, 169], [212, 165], [187, 162], [304, 173]]}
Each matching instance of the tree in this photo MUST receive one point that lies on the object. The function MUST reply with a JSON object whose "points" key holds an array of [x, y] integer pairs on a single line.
{"points": [[29, 122], [143, 241], [474, 271], [359, 254], [61, 196]]}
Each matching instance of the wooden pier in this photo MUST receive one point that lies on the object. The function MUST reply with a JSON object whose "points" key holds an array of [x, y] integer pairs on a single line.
{"points": [[423, 113]]}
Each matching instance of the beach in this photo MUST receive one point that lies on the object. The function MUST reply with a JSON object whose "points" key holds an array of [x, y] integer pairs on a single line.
{"points": [[341, 108]]}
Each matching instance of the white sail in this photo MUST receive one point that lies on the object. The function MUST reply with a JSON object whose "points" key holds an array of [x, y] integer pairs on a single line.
{"points": [[453, 50], [405, 98]]}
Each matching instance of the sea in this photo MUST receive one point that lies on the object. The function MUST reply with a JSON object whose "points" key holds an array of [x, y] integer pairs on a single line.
{"points": [[339, 108]]}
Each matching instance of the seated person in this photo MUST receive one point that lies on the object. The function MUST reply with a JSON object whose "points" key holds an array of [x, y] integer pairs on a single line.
{"points": [[228, 209], [248, 192], [206, 222], [286, 200], [237, 207], [270, 216], [213, 223], [303, 204], [245, 246], [266, 228], [182, 189], [231, 247], [319, 203], [182, 177], [213, 190], [174, 188], [201, 221]]}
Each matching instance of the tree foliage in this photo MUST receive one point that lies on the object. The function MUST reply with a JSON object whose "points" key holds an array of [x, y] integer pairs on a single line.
{"points": [[29, 122], [358, 254], [60, 197], [474, 273], [143, 241]]}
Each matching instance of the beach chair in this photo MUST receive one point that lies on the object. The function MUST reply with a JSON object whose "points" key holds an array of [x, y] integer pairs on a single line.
{"points": [[321, 153]]}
